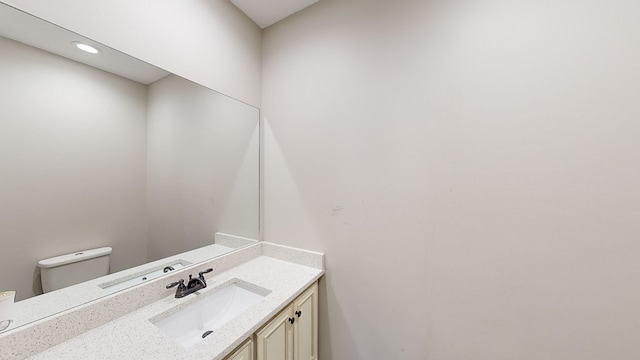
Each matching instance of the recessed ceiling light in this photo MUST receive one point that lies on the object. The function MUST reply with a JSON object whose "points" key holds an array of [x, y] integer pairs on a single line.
{"points": [[85, 47]]}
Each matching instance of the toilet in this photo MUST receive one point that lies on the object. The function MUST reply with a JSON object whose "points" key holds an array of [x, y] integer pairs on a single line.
{"points": [[66, 270]]}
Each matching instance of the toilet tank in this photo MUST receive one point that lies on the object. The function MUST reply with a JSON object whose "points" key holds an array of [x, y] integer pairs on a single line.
{"points": [[70, 269]]}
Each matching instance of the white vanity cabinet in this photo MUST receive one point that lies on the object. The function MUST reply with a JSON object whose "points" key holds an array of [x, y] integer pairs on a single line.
{"points": [[244, 352], [305, 327], [293, 333]]}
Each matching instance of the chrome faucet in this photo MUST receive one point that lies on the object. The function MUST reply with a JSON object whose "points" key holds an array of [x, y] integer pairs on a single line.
{"points": [[193, 285]]}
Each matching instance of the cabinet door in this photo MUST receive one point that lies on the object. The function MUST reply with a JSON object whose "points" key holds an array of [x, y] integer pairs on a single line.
{"points": [[275, 340], [305, 328], [244, 352]]}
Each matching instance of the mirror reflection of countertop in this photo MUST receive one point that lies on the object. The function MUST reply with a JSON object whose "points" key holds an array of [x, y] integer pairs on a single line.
{"points": [[44, 305], [283, 271]]}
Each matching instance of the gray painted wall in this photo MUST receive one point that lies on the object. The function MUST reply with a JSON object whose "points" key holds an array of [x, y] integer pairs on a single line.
{"points": [[470, 169]]}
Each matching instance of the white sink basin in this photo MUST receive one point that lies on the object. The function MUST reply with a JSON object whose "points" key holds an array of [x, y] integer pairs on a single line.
{"points": [[208, 312]]}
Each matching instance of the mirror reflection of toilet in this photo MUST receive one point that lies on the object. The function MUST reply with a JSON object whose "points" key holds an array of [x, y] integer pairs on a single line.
{"points": [[70, 269], [7, 314]]}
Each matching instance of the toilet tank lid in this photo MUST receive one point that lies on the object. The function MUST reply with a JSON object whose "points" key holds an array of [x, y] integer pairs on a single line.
{"points": [[74, 257]]}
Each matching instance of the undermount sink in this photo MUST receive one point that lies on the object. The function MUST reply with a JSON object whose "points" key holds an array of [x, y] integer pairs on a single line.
{"points": [[208, 312]]}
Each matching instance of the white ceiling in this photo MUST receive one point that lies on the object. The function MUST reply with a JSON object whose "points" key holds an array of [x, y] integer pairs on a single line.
{"points": [[268, 12], [30, 30]]}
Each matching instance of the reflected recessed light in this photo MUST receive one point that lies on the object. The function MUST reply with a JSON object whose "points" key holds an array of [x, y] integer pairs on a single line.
{"points": [[85, 47]]}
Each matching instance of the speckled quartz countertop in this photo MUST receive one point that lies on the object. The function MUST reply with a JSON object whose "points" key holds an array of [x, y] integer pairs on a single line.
{"points": [[283, 271]]}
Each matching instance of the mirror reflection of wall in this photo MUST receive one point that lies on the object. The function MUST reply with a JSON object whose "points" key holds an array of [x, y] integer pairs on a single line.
{"points": [[90, 159], [72, 163], [202, 167]]}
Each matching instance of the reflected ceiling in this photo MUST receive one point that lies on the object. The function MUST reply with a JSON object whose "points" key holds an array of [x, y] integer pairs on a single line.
{"points": [[38, 33]]}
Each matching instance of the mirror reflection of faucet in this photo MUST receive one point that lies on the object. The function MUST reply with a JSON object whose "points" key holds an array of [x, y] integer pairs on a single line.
{"points": [[193, 285]]}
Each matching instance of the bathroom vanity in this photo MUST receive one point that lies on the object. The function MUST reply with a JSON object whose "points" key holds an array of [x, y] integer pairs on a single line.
{"points": [[280, 323]]}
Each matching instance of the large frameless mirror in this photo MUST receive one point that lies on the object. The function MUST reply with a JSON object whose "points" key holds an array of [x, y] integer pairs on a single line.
{"points": [[101, 150]]}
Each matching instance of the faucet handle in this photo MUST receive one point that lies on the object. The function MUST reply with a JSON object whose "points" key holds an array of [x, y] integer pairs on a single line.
{"points": [[180, 284], [181, 291], [205, 272]]}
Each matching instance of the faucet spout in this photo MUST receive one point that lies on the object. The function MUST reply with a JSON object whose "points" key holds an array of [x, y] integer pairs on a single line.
{"points": [[196, 284]]}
